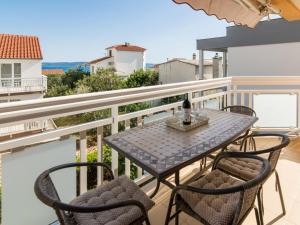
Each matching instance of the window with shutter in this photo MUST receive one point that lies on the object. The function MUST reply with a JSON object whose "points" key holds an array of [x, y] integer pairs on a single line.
{"points": [[6, 71]]}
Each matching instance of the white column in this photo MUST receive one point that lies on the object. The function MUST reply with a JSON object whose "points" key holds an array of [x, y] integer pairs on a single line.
{"points": [[139, 169], [99, 155], [83, 158], [235, 95], [201, 64], [127, 161], [229, 96], [190, 98], [114, 130], [225, 64]]}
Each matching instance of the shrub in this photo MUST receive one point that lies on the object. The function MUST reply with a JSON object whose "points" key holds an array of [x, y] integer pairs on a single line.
{"points": [[92, 171]]}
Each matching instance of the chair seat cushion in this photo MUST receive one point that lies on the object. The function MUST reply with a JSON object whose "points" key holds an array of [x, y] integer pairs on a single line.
{"points": [[214, 209], [243, 168], [119, 189]]}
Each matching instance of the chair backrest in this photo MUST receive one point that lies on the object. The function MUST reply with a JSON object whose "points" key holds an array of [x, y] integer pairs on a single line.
{"points": [[272, 146], [47, 193], [247, 189], [240, 109]]}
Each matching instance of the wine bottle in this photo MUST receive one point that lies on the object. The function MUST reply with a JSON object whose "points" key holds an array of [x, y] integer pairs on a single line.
{"points": [[186, 112]]}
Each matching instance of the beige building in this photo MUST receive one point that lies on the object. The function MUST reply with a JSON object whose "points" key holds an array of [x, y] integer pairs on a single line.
{"points": [[181, 70]]}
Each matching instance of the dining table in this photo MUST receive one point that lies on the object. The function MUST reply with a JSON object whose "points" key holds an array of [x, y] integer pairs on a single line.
{"points": [[163, 151]]}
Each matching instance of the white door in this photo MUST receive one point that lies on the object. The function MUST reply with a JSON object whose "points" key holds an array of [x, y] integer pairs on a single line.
{"points": [[10, 75], [17, 75]]}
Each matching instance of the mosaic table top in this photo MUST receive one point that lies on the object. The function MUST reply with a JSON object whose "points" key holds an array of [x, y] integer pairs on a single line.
{"points": [[161, 150]]}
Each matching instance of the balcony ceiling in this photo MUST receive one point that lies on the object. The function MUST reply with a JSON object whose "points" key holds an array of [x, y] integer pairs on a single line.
{"points": [[246, 12]]}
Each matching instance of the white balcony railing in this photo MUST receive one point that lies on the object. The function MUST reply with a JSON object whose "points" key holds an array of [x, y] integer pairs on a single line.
{"points": [[32, 126], [236, 90], [15, 85], [248, 91]]}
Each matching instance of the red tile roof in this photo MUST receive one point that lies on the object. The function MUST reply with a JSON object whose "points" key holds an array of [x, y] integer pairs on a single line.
{"points": [[128, 47], [99, 60], [19, 47], [53, 72]]}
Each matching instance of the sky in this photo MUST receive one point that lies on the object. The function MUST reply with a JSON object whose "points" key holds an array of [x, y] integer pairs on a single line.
{"points": [[80, 30]]}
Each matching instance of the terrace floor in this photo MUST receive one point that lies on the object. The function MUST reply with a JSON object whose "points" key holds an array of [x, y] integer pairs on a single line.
{"points": [[289, 172]]}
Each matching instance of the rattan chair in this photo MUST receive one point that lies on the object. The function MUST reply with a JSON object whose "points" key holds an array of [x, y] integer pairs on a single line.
{"points": [[246, 169], [218, 198], [245, 111], [120, 201]]}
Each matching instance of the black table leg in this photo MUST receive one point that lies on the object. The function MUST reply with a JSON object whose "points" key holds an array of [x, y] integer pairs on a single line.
{"points": [[177, 182], [155, 190]]}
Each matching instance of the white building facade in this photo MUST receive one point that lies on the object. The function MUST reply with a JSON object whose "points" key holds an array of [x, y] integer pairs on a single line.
{"points": [[21, 68], [270, 49], [124, 59], [21, 76], [264, 60], [182, 70]]}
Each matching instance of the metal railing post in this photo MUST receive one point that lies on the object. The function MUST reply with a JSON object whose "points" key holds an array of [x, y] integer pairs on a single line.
{"points": [[229, 95], [139, 169], [99, 155], [127, 161], [83, 158], [114, 130]]}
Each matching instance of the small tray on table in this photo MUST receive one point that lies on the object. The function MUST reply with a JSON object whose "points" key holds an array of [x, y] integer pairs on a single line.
{"points": [[178, 125]]}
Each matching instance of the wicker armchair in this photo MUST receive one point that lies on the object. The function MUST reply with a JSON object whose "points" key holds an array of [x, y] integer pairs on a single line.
{"points": [[218, 198], [245, 111], [246, 169], [120, 201]]}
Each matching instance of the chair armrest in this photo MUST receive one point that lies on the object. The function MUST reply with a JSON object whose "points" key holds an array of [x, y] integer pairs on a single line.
{"points": [[284, 142], [82, 164]]}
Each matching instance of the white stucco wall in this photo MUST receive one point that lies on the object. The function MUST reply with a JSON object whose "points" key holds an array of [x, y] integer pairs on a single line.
{"points": [[124, 62], [29, 68], [127, 62], [105, 64], [176, 71], [264, 60], [208, 72]]}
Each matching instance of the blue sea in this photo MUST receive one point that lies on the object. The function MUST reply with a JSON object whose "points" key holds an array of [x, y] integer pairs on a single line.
{"points": [[65, 65], [73, 65]]}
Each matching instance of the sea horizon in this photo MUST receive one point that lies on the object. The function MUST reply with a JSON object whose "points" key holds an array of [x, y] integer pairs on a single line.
{"points": [[73, 65]]}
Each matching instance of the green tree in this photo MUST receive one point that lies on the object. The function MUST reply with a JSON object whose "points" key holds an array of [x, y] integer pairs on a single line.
{"points": [[72, 76], [56, 86], [142, 78], [60, 85], [102, 80]]}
